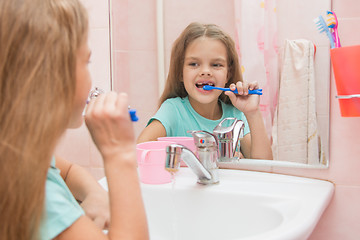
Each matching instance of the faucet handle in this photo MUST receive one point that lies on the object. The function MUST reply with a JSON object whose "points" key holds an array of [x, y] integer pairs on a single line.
{"points": [[227, 128], [204, 139], [229, 132]]}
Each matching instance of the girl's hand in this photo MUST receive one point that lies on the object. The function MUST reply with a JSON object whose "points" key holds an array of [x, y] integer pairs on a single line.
{"points": [[243, 101], [108, 121]]}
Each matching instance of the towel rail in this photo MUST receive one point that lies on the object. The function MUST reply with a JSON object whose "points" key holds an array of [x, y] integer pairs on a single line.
{"points": [[348, 96]]}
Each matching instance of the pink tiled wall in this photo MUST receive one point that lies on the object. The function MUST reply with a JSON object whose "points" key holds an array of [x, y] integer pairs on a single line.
{"points": [[135, 71], [76, 144], [341, 219], [135, 57]]}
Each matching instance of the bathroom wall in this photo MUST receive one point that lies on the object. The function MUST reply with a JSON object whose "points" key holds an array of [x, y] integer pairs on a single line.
{"points": [[133, 48], [76, 144], [341, 219]]}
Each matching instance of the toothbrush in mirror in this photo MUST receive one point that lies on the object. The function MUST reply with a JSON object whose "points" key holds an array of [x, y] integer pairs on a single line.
{"points": [[98, 91], [208, 88]]}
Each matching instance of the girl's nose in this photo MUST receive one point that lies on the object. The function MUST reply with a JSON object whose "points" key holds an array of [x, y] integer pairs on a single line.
{"points": [[205, 72]]}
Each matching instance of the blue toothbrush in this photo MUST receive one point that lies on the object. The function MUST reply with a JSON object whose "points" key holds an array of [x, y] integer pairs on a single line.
{"points": [[97, 91], [208, 88], [133, 116]]}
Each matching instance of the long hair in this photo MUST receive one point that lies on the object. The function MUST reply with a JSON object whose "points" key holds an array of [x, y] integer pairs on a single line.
{"points": [[174, 86], [39, 40]]}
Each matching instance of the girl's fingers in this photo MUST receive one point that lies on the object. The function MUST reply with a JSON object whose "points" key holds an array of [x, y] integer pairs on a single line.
{"points": [[107, 105], [93, 105], [122, 102], [122, 105], [89, 106], [244, 87], [110, 102], [110, 98], [231, 95], [241, 87], [232, 86], [253, 85], [98, 105]]}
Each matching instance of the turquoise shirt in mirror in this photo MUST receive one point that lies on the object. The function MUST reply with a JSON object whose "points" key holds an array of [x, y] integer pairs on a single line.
{"points": [[61, 208], [178, 117]]}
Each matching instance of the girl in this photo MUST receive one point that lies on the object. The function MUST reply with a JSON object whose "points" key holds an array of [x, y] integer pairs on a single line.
{"points": [[205, 55], [44, 85]]}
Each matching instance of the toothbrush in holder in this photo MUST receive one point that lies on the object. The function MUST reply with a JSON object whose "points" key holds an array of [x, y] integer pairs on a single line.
{"points": [[97, 91], [208, 88], [333, 23], [323, 28]]}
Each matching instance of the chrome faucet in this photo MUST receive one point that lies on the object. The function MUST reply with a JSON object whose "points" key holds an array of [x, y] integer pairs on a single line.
{"points": [[229, 134], [205, 167]]}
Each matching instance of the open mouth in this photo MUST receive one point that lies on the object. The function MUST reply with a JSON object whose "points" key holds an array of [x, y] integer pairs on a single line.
{"points": [[202, 84]]}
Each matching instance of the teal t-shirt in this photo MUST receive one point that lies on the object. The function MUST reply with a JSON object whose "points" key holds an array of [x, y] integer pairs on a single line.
{"points": [[62, 209], [178, 116]]}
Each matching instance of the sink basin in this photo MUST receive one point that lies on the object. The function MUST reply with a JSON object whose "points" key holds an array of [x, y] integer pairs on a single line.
{"points": [[244, 205]]}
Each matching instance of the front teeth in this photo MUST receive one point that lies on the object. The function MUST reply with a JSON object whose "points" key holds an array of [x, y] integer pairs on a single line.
{"points": [[200, 85]]}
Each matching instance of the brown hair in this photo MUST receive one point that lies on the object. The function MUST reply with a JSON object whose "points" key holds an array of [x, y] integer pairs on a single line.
{"points": [[174, 86], [39, 40]]}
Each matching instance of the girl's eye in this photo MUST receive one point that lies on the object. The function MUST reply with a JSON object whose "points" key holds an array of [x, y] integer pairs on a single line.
{"points": [[217, 65], [193, 64]]}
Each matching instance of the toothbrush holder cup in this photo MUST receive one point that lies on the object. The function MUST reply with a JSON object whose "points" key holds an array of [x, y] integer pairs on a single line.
{"points": [[346, 62]]}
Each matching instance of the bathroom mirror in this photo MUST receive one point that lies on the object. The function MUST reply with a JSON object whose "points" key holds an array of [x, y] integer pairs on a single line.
{"points": [[142, 33]]}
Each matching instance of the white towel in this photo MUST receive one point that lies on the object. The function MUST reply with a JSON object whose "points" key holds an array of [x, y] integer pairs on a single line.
{"points": [[295, 134]]}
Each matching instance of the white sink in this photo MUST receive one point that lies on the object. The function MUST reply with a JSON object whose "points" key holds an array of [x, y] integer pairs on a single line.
{"points": [[244, 205]]}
